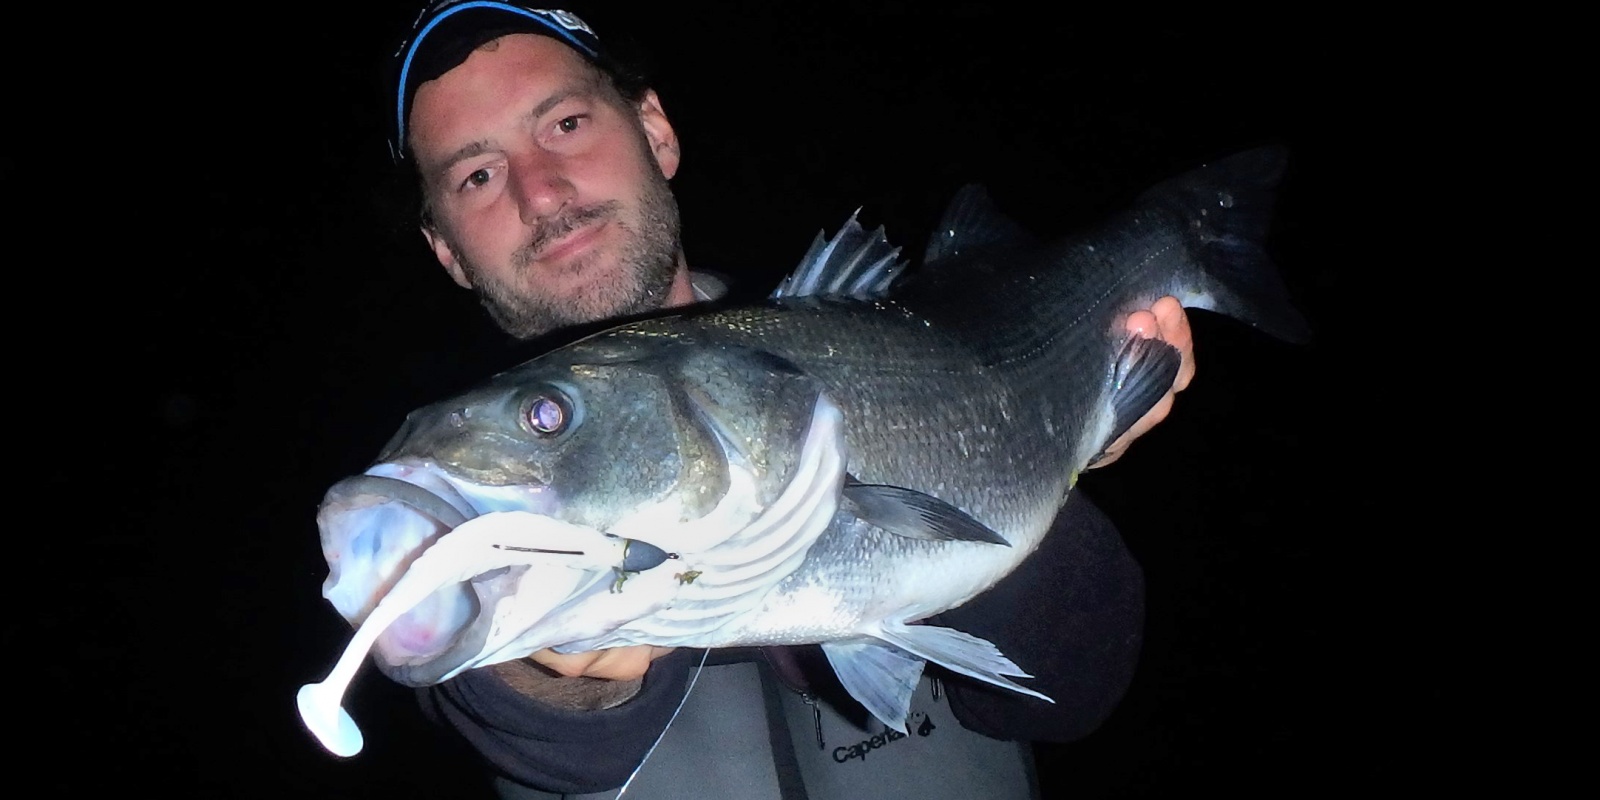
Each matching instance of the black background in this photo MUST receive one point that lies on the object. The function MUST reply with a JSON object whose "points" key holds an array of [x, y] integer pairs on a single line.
{"points": [[238, 318]]}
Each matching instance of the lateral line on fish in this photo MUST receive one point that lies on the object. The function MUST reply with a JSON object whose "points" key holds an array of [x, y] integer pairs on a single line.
{"points": [[1092, 305]]}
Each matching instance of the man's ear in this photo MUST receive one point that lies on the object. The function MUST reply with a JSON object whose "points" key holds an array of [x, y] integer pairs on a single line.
{"points": [[447, 257], [658, 131]]}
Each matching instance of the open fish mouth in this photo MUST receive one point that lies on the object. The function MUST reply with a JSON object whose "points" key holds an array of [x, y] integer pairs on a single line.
{"points": [[437, 604], [375, 525]]}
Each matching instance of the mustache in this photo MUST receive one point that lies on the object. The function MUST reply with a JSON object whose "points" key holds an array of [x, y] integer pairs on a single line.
{"points": [[552, 229]]}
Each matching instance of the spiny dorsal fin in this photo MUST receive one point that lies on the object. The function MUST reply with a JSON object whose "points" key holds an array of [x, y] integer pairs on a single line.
{"points": [[854, 264]]}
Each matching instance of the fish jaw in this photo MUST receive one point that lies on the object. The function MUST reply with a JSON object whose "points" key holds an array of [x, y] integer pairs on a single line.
{"points": [[504, 576], [374, 526]]}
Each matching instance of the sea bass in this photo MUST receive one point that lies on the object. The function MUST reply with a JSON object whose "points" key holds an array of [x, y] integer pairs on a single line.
{"points": [[868, 448]]}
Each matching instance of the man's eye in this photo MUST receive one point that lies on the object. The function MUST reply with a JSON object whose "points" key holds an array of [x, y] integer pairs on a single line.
{"points": [[569, 124], [477, 177]]}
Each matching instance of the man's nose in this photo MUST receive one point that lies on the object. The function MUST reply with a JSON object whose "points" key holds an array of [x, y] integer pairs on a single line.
{"points": [[541, 186]]}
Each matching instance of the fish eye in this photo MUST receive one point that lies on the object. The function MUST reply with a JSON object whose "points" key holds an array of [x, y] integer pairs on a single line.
{"points": [[547, 414]]}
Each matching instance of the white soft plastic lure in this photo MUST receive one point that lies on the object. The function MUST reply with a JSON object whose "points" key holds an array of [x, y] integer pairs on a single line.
{"points": [[481, 544]]}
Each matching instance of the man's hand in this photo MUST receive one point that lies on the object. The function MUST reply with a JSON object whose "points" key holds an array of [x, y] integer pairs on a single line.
{"points": [[582, 681], [1166, 321], [615, 664]]}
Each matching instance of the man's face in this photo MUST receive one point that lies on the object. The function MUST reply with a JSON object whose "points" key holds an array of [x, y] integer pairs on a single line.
{"points": [[548, 192]]}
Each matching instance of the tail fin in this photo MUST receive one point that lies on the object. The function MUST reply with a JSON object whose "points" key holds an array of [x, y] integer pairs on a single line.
{"points": [[1228, 205]]}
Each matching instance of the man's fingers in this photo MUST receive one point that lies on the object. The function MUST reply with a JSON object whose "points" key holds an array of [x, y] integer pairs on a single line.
{"points": [[1151, 418], [1172, 325], [1167, 321], [617, 663]]}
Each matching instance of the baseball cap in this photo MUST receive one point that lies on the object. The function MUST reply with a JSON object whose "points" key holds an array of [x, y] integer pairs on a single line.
{"points": [[446, 32]]}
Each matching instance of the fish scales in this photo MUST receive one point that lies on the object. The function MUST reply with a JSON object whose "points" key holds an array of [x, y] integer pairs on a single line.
{"points": [[921, 374]]}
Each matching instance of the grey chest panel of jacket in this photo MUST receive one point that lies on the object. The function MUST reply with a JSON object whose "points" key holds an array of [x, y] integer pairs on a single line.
{"points": [[743, 736]]}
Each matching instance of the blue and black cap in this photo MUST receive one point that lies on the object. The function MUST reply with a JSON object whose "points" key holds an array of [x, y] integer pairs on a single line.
{"points": [[446, 32]]}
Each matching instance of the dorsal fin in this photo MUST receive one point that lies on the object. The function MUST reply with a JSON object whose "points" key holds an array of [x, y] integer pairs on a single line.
{"points": [[854, 264], [972, 223]]}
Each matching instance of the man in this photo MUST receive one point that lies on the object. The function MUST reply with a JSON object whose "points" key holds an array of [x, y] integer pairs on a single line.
{"points": [[543, 166]]}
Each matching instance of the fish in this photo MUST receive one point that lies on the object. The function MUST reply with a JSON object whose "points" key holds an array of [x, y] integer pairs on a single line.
{"points": [[868, 447]]}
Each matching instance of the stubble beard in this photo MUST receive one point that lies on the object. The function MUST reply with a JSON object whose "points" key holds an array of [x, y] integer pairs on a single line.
{"points": [[646, 266]]}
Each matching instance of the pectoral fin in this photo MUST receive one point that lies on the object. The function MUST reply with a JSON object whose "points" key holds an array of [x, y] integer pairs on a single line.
{"points": [[880, 676], [1144, 373], [914, 515]]}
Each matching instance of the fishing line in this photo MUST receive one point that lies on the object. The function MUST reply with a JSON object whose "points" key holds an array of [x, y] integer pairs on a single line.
{"points": [[690, 688]]}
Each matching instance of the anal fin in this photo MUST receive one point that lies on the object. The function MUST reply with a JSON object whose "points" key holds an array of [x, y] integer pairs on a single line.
{"points": [[959, 652], [882, 671]]}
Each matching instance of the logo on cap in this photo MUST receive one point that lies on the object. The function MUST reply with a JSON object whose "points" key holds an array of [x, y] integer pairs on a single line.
{"points": [[562, 17], [566, 19]]}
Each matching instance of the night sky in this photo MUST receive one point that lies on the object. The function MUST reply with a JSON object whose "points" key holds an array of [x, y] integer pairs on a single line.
{"points": [[246, 319]]}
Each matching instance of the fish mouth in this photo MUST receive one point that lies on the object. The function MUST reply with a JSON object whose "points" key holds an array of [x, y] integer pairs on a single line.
{"points": [[440, 574], [375, 525]]}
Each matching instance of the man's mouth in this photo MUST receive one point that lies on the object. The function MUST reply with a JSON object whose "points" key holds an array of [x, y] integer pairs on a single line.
{"points": [[563, 238], [570, 244]]}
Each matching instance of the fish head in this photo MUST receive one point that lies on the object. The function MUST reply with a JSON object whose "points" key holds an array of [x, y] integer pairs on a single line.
{"points": [[647, 438]]}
